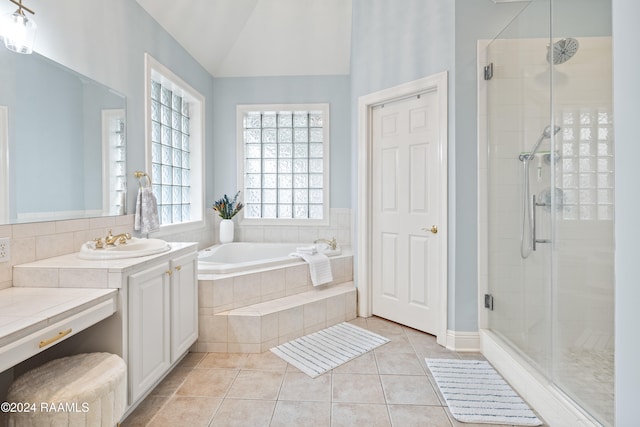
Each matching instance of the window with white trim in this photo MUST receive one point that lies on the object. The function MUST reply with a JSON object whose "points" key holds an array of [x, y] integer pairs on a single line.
{"points": [[284, 150], [175, 146]]}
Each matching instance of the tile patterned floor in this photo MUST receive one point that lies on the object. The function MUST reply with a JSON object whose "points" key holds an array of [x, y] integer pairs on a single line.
{"points": [[389, 386]]}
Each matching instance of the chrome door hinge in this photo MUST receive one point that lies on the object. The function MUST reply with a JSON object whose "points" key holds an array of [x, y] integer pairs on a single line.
{"points": [[488, 71], [488, 301]]}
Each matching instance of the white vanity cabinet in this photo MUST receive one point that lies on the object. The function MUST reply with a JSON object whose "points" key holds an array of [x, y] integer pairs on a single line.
{"points": [[149, 312], [156, 321], [163, 320], [184, 304]]}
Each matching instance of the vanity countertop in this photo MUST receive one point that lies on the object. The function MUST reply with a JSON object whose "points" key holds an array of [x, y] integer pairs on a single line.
{"points": [[74, 261], [72, 271], [30, 315]]}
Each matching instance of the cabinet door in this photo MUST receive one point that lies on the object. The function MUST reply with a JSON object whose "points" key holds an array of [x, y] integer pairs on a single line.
{"points": [[149, 327], [184, 304]]}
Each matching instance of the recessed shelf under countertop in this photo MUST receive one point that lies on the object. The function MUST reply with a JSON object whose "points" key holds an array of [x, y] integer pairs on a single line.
{"points": [[34, 319]]}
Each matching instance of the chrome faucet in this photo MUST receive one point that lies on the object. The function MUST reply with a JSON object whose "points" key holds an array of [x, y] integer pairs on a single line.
{"points": [[333, 244], [121, 238]]}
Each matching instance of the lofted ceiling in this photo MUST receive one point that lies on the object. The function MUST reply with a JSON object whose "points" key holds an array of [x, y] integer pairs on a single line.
{"points": [[241, 38]]}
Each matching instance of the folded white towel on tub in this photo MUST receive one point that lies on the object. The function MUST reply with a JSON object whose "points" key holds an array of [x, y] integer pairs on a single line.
{"points": [[306, 250], [319, 267]]}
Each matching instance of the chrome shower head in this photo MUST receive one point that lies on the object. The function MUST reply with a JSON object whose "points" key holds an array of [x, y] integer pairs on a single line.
{"points": [[547, 131], [546, 134], [562, 51]]}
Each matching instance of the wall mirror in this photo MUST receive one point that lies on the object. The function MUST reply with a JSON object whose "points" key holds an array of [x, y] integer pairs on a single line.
{"points": [[62, 143]]}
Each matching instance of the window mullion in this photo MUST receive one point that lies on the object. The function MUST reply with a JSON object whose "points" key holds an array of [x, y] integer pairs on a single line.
{"points": [[262, 207], [277, 165], [308, 164]]}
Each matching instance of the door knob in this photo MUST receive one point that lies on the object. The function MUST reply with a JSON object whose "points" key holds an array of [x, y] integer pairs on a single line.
{"points": [[433, 229]]}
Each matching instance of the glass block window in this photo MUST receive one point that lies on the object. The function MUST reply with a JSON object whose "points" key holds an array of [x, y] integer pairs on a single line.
{"points": [[285, 161], [114, 179], [170, 155], [586, 164], [175, 146]]}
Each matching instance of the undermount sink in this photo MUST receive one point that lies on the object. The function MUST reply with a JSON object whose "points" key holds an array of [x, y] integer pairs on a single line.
{"points": [[131, 249]]}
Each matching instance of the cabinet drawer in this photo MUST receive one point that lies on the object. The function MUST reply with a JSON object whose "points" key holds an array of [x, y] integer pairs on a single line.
{"points": [[34, 343]]}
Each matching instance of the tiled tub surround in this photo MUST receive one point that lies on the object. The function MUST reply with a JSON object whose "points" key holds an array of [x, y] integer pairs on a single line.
{"points": [[252, 311], [40, 240]]}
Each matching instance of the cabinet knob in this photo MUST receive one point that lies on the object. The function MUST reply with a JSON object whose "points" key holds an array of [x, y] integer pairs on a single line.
{"points": [[169, 272], [179, 268]]}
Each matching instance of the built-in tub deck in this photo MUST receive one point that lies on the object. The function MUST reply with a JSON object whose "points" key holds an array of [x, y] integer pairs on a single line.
{"points": [[243, 256], [263, 304]]}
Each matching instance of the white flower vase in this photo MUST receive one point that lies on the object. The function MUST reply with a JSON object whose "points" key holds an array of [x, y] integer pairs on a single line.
{"points": [[226, 231]]}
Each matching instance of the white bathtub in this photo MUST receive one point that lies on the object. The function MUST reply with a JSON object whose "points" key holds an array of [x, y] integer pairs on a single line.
{"points": [[242, 256]]}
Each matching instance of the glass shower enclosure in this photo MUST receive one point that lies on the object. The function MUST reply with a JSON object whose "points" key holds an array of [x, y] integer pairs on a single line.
{"points": [[546, 114]]}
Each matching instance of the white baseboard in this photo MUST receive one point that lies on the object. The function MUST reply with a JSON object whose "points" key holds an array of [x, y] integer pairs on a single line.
{"points": [[463, 341], [553, 406]]}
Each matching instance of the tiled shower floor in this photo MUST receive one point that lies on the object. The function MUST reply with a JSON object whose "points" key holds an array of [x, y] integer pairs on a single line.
{"points": [[389, 386]]}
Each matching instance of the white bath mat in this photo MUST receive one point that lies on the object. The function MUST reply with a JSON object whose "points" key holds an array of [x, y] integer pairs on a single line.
{"points": [[476, 393], [324, 350]]}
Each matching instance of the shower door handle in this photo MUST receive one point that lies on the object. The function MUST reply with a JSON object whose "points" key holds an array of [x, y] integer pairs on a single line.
{"points": [[533, 225]]}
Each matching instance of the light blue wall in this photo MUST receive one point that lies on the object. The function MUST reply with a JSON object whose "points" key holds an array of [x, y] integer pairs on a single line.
{"points": [[106, 41], [96, 98], [393, 41], [55, 135], [230, 92], [626, 93], [45, 89], [398, 41], [474, 20]]}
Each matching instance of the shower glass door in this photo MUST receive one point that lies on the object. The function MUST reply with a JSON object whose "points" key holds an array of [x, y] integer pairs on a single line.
{"points": [[550, 195], [583, 249], [519, 112]]}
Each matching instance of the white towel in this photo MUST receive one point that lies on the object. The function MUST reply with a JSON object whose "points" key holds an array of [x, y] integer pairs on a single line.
{"points": [[306, 250], [319, 267], [146, 217]]}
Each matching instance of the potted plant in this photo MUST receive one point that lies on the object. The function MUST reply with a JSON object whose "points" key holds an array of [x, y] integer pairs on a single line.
{"points": [[227, 209]]}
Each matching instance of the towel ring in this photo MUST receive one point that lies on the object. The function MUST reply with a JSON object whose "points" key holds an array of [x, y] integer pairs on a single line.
{"points": [[140, 175]]}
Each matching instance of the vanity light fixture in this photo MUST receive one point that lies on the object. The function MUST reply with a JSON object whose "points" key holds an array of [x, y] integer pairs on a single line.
{"points": [[18, 31]]}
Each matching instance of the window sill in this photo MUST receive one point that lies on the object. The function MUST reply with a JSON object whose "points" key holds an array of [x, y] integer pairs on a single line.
{"points": [[283, 222], [172, 229]]}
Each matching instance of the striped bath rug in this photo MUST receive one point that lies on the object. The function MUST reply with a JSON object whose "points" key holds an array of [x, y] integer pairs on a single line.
{"points": [[329, 348], [476, 393]]}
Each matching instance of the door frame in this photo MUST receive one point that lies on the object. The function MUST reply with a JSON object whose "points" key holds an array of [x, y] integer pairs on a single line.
{"points": [[435, 82], [4, 164]]}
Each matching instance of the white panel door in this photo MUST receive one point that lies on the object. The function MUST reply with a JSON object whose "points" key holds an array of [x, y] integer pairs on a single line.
{"points": [[405, 212]]}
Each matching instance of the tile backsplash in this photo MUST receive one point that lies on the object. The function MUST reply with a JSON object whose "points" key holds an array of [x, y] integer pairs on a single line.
{"points": [[39, 240], [339, 227]]}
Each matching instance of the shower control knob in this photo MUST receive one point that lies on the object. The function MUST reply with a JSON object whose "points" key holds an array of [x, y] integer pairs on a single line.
{"points": [[433, 229]]}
